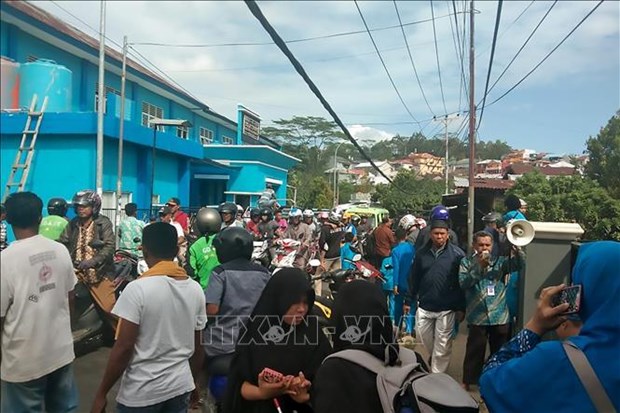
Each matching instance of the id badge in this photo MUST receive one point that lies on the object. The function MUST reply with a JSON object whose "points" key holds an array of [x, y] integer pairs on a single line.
{"points": [[491, 290]]}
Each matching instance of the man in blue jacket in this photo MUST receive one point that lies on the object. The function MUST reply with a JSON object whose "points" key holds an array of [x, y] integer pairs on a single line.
{"points": [[434, 281], [402, 258]]}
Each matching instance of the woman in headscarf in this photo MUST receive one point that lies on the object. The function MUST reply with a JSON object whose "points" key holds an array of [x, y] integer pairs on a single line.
{"points": [[362, 322], [528, 375], [280, 337]]}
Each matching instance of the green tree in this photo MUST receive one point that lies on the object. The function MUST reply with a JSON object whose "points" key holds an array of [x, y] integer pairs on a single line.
{"points": [[571, 199], [492, 150], [345, 191], [314, 193], [604, 151], [409, 194]]}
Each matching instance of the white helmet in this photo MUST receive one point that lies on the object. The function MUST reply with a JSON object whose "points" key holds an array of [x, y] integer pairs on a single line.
{"points": [[421, 222], [240, 209], [334, 217], [308, 213], [294, 212], [407, 222]]}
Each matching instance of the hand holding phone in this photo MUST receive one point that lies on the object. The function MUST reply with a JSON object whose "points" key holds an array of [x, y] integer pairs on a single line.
{"points": [[570, 295]]}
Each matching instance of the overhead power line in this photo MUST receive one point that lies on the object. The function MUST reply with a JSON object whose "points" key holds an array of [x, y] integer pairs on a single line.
{"points": [[548, 54], [522, 47], [498, 18], [383, 62], [443, 98], [256, 11], [305, 39], [415, 71], [512, 23]]}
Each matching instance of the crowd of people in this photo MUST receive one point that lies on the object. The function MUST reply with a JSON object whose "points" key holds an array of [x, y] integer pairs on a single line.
{"points": [[204, 309]]}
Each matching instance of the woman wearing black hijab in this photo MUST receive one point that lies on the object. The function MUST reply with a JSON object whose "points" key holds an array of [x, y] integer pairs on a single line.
{"points": [[362, 322], [278, 336]]}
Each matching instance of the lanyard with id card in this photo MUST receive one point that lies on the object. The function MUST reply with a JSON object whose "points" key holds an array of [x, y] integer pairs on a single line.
{"points": [[491, 289]]}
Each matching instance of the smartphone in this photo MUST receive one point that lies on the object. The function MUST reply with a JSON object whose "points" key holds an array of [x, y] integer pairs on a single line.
{"points": [[272, 376], [570, 295]]}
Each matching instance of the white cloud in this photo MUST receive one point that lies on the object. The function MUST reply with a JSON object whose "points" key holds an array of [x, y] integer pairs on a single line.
{"points": [[366, 133]]}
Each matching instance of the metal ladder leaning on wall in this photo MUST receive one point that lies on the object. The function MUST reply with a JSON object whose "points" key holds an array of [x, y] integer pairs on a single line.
{"points": [[29, 139]]}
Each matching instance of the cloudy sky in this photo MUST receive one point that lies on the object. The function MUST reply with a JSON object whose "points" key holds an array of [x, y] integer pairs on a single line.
{"points": [[566, 100]]}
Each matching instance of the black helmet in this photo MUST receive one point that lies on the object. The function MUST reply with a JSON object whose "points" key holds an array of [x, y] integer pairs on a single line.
{"points": [[254, 212], [495, 217], [266, 211], [232, 243], [228, 208], [208, 221], [57, 206], [89, 198]]}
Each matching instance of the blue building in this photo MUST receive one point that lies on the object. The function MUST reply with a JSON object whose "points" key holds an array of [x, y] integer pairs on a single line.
{"points": [[214, 160]]}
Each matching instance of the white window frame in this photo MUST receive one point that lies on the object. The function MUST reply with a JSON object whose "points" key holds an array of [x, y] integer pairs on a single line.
{"points": [[183, 132], [227, 140], [150, 111], [206, 136]]}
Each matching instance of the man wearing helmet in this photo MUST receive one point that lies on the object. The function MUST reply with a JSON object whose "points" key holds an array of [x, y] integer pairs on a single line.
{"points": [[299, 231], [354, 221], [410, 224], [438, 213], [267, 226], [234, 288], [308, 218], [202, 258], [252, 225], [90, 238], [332, 233], [55, 222], [228, 211]]}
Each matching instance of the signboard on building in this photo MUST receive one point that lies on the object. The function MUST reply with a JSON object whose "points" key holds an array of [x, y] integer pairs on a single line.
{"points": [[251, 126], [248, 124]]}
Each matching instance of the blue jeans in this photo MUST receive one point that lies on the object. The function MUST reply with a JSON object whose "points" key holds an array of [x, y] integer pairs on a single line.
{"points": [[53, 393], [179, 404], [399, 300]]}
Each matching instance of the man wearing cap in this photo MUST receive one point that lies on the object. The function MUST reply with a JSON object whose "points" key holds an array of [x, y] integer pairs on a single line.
{"points": [[177, 215], [434, 283]]}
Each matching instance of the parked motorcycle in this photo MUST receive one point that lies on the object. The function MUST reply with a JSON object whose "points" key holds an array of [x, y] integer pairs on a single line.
{"points": [[260, 253], [285, 254]]}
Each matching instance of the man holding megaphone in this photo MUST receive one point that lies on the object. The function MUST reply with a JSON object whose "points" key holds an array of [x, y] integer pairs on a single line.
{"points": [[482, 277]]}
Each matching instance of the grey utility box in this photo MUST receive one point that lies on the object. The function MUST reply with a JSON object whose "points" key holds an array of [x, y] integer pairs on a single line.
{"points": [[548, 262]]}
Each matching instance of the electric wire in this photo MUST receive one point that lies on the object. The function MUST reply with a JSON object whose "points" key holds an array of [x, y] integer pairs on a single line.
{"points": [[383, 62], [461, 58], [548, 55], [306, 39], [522, 46], [509, 26], [443, 98], [258, 14], [498, 18], [415, 71]]}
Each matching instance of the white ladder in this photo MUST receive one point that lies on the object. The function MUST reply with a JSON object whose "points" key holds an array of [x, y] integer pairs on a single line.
{"points": [[21, 166]]}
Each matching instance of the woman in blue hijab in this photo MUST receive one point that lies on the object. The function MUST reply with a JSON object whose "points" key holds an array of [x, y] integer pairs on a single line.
{"points": [[527, 375]]}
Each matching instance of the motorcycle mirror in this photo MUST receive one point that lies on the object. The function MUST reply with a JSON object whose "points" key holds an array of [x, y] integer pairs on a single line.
{"points": [[315, 263], [97, 244], [356, 257]]}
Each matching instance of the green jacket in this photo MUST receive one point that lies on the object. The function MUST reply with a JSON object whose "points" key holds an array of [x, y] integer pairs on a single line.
{"points": [[52, 226], [202, 260]]}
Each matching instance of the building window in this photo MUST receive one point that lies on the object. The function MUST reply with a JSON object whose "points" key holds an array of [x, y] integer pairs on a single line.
{"points": [[182, 132], [149, 112], [226, 140], [108, 89], [206, 136]]}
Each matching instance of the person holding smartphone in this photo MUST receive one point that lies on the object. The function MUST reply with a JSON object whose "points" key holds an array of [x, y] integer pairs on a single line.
{"points": [[528, 374]]}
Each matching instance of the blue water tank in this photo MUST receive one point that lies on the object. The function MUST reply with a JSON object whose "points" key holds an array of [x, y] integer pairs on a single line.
{"points": [[46, 78]]}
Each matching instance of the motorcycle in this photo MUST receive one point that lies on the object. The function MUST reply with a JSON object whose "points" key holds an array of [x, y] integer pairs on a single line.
{"points": [[260, 253], [285, 254]]}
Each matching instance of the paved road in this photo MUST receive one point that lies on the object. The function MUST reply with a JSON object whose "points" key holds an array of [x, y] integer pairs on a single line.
{"points": [[89, 370]]}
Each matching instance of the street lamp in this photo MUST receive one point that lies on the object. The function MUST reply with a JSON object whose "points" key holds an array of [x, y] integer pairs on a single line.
{"points": [[154, 123], [336, 174]]}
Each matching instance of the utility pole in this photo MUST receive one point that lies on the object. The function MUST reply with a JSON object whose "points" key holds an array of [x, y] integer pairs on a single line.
{"points": [[101, 101], [472, 132], [121, 122], [445, 120]]}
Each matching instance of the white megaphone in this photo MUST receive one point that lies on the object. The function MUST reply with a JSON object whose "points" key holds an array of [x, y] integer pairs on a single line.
{"points": [[519, 232]]}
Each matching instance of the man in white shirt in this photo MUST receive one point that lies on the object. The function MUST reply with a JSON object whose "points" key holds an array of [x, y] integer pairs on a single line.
{"points": [[165, 215], [36, 285], [162, 315]]}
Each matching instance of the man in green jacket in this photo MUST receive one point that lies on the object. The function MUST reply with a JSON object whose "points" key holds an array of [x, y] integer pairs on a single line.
{"points": [[202, 258], [56, 220]]}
